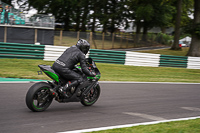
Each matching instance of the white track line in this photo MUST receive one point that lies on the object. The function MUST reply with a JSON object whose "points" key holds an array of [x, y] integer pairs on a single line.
{"points": [[128, 125]]}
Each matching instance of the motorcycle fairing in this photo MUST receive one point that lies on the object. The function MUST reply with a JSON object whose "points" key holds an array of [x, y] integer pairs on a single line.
{"points": [[49, 72]]}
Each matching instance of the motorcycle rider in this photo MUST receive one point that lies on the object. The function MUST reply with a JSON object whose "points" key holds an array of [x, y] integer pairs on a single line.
{"points": [[66, 62]]}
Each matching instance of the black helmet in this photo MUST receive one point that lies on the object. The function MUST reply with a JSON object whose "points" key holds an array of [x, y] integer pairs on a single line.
{"points": [[83, 45]]}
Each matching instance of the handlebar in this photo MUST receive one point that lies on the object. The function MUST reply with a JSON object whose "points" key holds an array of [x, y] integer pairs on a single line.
{"points": [[97, 77]]}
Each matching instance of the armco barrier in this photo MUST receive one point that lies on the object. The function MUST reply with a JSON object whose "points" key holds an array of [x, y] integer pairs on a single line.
{"points": [[24, 51], [173, 61], [142, 59], [108, 56], [193, 63], [51, 53]]}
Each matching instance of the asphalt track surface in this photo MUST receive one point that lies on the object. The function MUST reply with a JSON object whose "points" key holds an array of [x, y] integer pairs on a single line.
{"points": [[119, 104]]}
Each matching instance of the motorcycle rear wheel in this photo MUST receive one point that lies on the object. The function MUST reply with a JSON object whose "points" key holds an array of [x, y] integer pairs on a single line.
{"points": [[38, 97], [92, 97]]}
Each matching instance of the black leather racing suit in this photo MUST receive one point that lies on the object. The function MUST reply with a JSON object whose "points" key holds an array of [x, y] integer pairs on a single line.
{"points": [[66, 62]]}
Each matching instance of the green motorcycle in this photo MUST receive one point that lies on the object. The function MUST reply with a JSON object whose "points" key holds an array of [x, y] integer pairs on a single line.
{"points": [[41, 94]]}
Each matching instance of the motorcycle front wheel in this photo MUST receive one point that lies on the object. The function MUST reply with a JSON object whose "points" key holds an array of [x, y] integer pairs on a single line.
{"points": [[92, 97], [38, 97]]}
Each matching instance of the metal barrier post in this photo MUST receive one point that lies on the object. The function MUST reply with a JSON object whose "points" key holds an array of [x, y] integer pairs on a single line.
{"points": [[127, 36], [61, 33], [90, 38], [35, 35], [5, 34], [113, 35], [103, 40], [78, 34], [121, 37]]}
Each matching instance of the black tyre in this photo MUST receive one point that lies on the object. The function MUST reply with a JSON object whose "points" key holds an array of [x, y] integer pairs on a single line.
{"points": [[92, 97], [38, 97]]}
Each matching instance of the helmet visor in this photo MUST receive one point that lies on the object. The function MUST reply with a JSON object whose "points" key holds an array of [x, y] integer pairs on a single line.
{"points": [[85, 50]]}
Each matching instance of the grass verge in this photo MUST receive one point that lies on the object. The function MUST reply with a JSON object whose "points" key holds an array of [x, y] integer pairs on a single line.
{"points": [[69, 41], [189, 126], [24, 68], [182, 52]]}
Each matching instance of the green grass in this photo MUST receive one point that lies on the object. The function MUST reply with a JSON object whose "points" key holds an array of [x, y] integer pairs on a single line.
{"points": [[189, 126], [167, 51], [23, 68], [66, 41], [111, 72], [108, 43], [69, 41]]}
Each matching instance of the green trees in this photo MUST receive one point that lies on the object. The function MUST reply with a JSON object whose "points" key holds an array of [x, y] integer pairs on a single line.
{"points": [[195, 31], [110, 14], [151, 13], [175, 45]]}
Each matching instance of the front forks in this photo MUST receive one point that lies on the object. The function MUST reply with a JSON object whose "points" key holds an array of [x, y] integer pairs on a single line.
{"points": [[88, 89]]}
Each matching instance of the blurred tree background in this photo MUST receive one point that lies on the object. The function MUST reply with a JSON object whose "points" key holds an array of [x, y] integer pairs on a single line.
{"points": [[81, 15]]}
